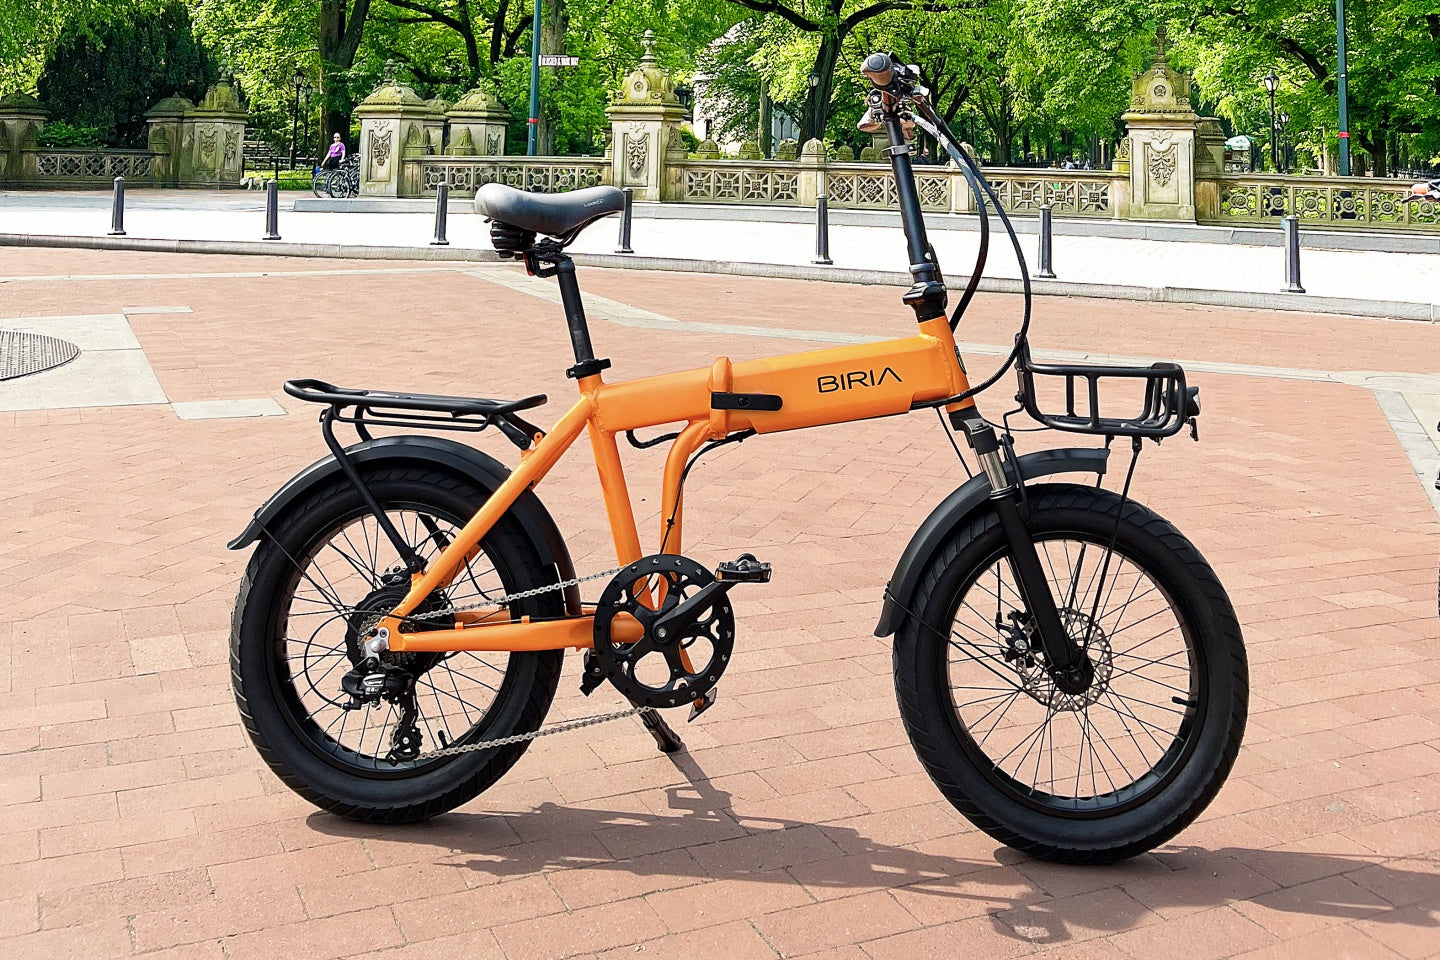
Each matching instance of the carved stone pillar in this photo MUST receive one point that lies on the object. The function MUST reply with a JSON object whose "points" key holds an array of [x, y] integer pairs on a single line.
{"points": [[21, 118], [477, 125], [1161, 128], [216, 133], [645, 127], [392, 124], [167, 135], [812, 172]]}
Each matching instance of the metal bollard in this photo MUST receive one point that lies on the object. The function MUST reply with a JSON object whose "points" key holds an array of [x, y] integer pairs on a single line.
{"points": [[442, 209], [625, 223], [117, 210], [272, 210], [1047, 244], [822, 231], [1291, 225]]}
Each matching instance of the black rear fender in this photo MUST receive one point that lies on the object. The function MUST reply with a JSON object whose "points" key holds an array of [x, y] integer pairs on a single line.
{"points": [[437, 452]]}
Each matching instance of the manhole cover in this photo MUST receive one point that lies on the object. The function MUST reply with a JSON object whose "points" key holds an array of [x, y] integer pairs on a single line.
{"points": [[26, 353]]}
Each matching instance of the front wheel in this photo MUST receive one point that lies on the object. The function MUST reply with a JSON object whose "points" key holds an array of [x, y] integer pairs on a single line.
{"points": [[1088, 777]]}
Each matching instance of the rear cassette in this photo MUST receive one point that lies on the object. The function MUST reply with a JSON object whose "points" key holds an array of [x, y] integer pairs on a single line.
{"points": [[663, 671]]}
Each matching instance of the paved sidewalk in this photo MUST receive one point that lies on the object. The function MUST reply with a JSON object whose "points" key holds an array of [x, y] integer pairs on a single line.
{"points": [[135, 819], [1089, 260]]}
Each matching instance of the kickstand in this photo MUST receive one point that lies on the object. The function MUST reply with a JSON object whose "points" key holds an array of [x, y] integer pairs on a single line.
{"points": [[665, 738]]}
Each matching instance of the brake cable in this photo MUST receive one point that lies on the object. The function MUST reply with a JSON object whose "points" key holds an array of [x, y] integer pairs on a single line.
{"points": [[932, 124]]}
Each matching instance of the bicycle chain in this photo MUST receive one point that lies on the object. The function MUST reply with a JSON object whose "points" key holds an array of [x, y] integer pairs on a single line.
{"points": [[565, 727], [508, 599]]}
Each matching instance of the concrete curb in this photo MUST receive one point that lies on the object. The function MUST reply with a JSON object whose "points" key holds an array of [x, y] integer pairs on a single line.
{"points": [[1292, 302], [1244, 235]]}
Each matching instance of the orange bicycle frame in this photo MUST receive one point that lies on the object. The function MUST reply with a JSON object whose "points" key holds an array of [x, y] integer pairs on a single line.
{"points": [[815, 388]]}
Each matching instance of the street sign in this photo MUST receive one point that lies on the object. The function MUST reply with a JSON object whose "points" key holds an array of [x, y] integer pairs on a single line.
{"points": [[558, 60]]}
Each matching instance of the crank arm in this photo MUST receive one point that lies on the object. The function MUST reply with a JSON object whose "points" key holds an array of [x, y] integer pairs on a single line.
{"points": [[744, 570], [683, 617]]}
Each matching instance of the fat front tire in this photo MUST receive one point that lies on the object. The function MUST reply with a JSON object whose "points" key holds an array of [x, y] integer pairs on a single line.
{"points": [[1092, 777], [316, 576]]}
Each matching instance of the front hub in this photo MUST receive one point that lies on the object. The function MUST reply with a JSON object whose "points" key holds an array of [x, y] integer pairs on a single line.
{"points": [[1074, 690]]}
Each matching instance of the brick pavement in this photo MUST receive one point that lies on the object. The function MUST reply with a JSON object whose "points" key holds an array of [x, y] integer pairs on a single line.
{"points": [[137, 821]]}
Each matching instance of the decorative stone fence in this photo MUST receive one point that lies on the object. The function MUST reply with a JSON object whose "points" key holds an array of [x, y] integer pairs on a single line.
{"points": [[1331, 201], [1169, 166], [189, 146]]}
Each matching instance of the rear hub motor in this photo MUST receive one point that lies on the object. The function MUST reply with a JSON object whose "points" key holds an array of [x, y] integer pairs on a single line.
{"points": [[668, 665]]}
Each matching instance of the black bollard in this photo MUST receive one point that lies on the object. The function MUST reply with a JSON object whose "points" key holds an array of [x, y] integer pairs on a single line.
{"points": [[822, 231], [625, 223], [1291, 225], [442, 204], [1047, 242], [272, 210], [117, 210]]}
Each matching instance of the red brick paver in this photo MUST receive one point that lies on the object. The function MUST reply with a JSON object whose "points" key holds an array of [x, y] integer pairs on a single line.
{"points": [[135, 820]]}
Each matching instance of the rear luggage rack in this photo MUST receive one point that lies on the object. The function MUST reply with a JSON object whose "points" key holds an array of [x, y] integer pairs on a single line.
{"points": [[1167, 406], [383, 408]]}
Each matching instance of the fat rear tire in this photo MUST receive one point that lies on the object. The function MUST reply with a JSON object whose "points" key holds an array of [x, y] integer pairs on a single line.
{"points": [[264, 679]]}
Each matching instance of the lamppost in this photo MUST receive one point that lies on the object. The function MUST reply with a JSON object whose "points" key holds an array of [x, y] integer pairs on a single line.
{"points": [[1283, 122], [1340, 89], [532, 138], [295, 117], [1271, 82], [813, 81]]}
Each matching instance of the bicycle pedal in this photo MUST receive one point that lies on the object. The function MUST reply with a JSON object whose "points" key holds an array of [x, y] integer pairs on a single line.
{"points": [[704, 703], [743, 569]]}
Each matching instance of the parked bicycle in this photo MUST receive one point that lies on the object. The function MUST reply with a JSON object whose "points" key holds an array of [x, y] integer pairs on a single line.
{"points": [[1068, 667], [341, 183]]}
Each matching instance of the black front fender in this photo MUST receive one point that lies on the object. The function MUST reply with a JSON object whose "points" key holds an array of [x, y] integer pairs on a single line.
{"points": [[956, 509], [479, 467]]}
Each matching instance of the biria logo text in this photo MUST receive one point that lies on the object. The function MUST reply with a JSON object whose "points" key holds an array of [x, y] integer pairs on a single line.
{"points": [[855, 379]]}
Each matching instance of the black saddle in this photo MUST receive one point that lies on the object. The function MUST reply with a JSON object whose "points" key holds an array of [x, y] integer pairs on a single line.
{"points": [[552, 214]]}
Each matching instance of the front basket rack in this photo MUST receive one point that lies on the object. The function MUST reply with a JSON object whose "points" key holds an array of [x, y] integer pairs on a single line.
{"points": [[1166, 403]]}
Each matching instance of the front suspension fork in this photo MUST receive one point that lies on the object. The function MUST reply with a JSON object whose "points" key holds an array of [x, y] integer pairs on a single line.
{"points": [[1065, 658]]}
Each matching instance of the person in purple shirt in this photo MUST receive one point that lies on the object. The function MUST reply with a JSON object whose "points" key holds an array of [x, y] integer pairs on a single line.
{"points": [[336, 156]]}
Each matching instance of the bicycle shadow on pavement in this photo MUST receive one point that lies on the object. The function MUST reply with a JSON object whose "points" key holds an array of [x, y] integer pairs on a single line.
{"points": [[703, 837]]}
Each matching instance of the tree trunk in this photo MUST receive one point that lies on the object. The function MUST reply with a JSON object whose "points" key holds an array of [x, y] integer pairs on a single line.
{"points": [[339, 32], [762, 132], [816, 115], [1376, 144]]}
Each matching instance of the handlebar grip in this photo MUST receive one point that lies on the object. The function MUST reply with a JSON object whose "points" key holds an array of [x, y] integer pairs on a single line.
{"points": [[880, 68]]}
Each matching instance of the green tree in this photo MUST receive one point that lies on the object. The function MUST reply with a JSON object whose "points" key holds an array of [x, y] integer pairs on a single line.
{"points": [[107, 74]]}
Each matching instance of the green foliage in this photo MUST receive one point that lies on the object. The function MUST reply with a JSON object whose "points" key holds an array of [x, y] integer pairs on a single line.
{"points": [[64, 135], [1012, 76], [105, 74]]}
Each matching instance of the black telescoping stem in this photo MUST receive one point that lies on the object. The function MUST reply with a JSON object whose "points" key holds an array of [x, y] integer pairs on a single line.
{"points": [[117, 211], [926, 296]]}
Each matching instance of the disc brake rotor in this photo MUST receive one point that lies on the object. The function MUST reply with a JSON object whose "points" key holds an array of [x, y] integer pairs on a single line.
{"points": [[666, 671]]}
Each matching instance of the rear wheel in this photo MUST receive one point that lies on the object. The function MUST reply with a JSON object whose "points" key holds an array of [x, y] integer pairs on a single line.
{"points": [[312, 587], [1094, 776]]}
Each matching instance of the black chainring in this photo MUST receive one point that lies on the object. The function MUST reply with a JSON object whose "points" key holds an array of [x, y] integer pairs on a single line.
{"points": [[651, 672]]}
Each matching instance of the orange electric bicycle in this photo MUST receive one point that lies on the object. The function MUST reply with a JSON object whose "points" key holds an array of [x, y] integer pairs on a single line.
{"points": [[1068, 667]]}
